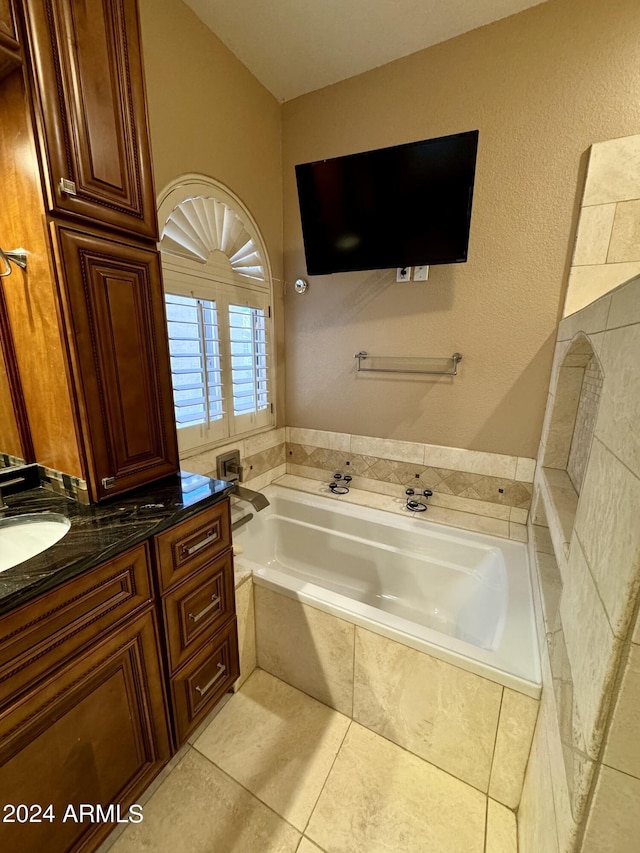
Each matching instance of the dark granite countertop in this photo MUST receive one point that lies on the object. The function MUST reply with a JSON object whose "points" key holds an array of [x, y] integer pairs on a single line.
{"points": [[101, 531]]}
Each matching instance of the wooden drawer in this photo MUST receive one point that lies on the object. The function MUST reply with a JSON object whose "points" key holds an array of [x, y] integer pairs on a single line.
{"points": [[44, 633], [202, 682], [195, 610], [188, 546]]}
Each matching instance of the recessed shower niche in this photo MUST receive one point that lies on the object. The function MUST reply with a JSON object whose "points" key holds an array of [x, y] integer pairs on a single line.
{"points": [[575, 402]]}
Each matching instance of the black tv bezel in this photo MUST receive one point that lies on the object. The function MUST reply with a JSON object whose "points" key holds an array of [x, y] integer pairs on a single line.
{"points": [[320, 269]]}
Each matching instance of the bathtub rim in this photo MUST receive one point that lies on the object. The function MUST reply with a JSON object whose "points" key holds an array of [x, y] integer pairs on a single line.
{"points": [[444, 647]]}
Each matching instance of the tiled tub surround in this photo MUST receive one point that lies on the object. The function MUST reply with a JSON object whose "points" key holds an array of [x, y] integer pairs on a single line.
{"points": [[467, 485], [468, 724], [584, 773], [262, 457], [245, 614], [473, 490]]}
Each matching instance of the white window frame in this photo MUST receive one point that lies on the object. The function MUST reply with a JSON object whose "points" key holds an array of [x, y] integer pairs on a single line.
{"points": [[214, 279]]}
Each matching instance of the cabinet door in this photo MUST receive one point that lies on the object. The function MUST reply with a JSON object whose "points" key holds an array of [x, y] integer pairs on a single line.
{"points": [[8, 34], [88, 83], [9, 47], [93, 733], [114, 309]]}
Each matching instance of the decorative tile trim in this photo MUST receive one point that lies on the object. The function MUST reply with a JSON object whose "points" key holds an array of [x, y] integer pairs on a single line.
{"points": [[8, 461], [444, 481], [454, 458], [263, 461], [64, 484]]}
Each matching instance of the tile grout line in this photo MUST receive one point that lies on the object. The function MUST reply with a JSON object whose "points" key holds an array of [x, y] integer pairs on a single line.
{"points": [[324, 784], [353, 671], [495, 743], [615, 455], [486, 823], [426, 761], [251, 793], [160, 784]]}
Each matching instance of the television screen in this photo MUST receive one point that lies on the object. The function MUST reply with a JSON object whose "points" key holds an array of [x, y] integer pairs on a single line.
{"points": [[402, 206]]}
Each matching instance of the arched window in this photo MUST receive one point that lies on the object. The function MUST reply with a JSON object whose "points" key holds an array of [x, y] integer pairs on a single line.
{"points": [[218, 291]]}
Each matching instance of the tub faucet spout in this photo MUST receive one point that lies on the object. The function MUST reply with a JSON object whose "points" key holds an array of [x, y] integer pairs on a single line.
{"points": [[257, 500]]}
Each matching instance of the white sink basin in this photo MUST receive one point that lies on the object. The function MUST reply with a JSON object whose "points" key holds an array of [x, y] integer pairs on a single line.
{"points": [[25, 536]]}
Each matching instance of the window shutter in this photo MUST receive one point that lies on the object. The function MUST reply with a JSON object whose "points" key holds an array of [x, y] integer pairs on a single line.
{"points": [[218, 290], [196, 370], [248, 344]]}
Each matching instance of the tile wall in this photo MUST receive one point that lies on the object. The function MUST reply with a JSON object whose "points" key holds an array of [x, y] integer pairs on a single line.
{"points": [[467, 485], [587, 413], [607, 247], [487, 492], [473, 728], [584, 772], [262, 457], [245, 614]]}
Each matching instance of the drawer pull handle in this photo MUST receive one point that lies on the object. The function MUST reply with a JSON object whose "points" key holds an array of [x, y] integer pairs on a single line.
{"points": [[221, 671], [212, 536], [215, 601]]}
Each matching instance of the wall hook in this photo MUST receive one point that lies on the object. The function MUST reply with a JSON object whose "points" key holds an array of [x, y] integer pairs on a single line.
{"points": [[16, 256]]}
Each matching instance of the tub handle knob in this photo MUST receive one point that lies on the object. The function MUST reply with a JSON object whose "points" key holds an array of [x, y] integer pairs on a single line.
{"points": [[410, 492], [416, 506], [340, 485]]}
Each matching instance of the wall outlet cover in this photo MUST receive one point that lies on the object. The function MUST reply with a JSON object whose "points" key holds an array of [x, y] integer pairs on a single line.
{"points": [[403, 274], [420, 273]]}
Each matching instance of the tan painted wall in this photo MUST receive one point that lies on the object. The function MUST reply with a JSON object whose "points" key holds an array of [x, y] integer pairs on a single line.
{"points": [[541, 87], [208, 114]]}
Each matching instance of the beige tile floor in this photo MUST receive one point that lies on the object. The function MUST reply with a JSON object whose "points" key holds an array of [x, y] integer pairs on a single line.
{"points": [[278, 772]]}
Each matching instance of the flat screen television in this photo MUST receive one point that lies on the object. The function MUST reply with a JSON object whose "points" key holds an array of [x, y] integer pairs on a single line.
{"points": [[402, 206]]}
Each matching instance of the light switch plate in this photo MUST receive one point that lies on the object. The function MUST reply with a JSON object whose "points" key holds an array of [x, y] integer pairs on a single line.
{"points": [[403, 274]]}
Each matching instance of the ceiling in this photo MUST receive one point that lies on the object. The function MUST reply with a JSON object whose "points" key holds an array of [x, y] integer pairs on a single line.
{"points": [[296, 46]]}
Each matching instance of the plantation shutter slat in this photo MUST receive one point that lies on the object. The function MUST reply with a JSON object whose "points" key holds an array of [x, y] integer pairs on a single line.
{"points": [[194, 349]]}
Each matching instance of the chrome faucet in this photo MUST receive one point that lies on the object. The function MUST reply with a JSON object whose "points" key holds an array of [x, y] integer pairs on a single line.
{"points": [[257, 500], [229, 469]]}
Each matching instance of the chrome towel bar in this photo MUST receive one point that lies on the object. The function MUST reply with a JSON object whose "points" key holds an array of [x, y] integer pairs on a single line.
{"points": [[408, 364]]}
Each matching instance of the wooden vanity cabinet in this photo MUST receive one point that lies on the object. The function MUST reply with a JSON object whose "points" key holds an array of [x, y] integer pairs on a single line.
{"points": [[82, 709], [194, 565], [85, 62], [87, 316]]}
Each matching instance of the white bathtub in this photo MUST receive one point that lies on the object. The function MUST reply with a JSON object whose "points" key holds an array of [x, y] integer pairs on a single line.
{"points": [[459, 596]]}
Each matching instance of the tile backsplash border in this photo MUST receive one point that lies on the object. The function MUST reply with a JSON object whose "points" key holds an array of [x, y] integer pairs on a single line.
{"points": [[488, 485], [476, 488]]}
